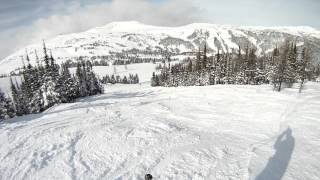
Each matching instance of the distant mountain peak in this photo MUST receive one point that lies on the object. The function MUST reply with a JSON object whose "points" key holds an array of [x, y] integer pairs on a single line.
{"points": [[123, 26], [124, 36]]}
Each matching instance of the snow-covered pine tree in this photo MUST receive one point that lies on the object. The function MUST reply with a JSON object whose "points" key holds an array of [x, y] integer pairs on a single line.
{"points": [[125, 80], [95, 86], [80, 80], [7, 109], [3, 110], [281, 65], [112, 79], [136, 77], [16, 98], [302, 67], [118, 79], [46, 57], [54, 68], [50, 88], [24, 103], [251, 66], [291, 71], [10, 108], [154, 79], [68, 89], [107, 79], [204, 58], [34, 81]]}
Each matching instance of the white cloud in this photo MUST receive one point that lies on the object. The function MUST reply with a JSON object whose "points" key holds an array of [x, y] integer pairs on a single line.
{"points": [[79, 18]]}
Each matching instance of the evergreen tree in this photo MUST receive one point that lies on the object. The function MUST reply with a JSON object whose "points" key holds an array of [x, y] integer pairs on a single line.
{"points": [[6, 107], [46, 57], [136, 79], [302, 71], [81, 78], [16, 98], [125, 80], [3, 110], [69, 90], [154, 80], [112, 79]]}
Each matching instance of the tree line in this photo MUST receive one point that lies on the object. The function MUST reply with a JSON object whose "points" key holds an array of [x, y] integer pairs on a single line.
{"points": [[71, 64], [43, 86], [112, 79], [286, 65]]}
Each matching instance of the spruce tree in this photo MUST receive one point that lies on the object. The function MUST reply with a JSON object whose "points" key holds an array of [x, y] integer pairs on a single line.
{"points": [[3, 110], [16, 98], [46, 57], [125, 80], [6, 107], [154, 80]]}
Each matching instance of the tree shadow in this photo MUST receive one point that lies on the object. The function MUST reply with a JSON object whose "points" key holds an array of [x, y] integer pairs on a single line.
{"points": [[278, 163]]}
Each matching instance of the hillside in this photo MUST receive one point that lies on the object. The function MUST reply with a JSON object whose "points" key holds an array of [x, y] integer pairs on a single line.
{"points": [[135, 129], [125, 40]]}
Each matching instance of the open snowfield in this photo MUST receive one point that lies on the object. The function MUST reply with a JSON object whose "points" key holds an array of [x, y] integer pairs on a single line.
{"points": [[213, 132], [144, 70]]}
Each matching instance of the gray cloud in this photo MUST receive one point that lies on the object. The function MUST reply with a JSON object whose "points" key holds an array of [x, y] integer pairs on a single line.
{"points": [[30, 21], [262, 12], [77, 17]]}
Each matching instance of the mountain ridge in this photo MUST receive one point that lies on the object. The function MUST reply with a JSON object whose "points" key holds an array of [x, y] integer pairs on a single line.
{"points": [[127, 35]]}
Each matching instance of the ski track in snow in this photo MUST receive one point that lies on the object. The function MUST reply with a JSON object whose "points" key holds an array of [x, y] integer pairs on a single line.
{"points": [[213, 132]]}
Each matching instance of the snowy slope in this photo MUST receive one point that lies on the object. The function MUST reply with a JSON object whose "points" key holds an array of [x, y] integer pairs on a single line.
{"points": [[214, 132], [122, 37]]}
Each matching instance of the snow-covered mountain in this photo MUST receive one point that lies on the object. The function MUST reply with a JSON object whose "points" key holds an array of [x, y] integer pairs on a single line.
{"points": [[134, 38]]}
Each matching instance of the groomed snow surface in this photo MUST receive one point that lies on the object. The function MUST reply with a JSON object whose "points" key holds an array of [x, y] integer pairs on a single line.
{"points": [[215, 132]]}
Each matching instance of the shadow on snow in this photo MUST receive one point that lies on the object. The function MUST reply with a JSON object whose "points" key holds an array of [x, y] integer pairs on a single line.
{"points": [[278, 163]]}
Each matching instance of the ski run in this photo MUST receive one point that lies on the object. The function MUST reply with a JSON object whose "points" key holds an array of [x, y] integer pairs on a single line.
{"points": [[227, 132]]}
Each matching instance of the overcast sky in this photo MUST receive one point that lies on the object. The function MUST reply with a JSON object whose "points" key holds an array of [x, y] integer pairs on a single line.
{"points": [[23, 22]]}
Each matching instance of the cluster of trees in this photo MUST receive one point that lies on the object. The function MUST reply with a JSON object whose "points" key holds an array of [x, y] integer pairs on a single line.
{"points": [[148, 55], [6, 107], [101, 62], [131, 79], [148, 51], [285, 66], [135, 60], [43, 86]]}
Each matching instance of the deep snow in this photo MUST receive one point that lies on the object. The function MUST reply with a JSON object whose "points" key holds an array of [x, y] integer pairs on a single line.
{"points": [[213, 132]]}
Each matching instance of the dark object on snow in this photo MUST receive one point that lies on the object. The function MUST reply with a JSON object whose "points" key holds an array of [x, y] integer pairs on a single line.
{"points": [[148, 177], [278, 163]]}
